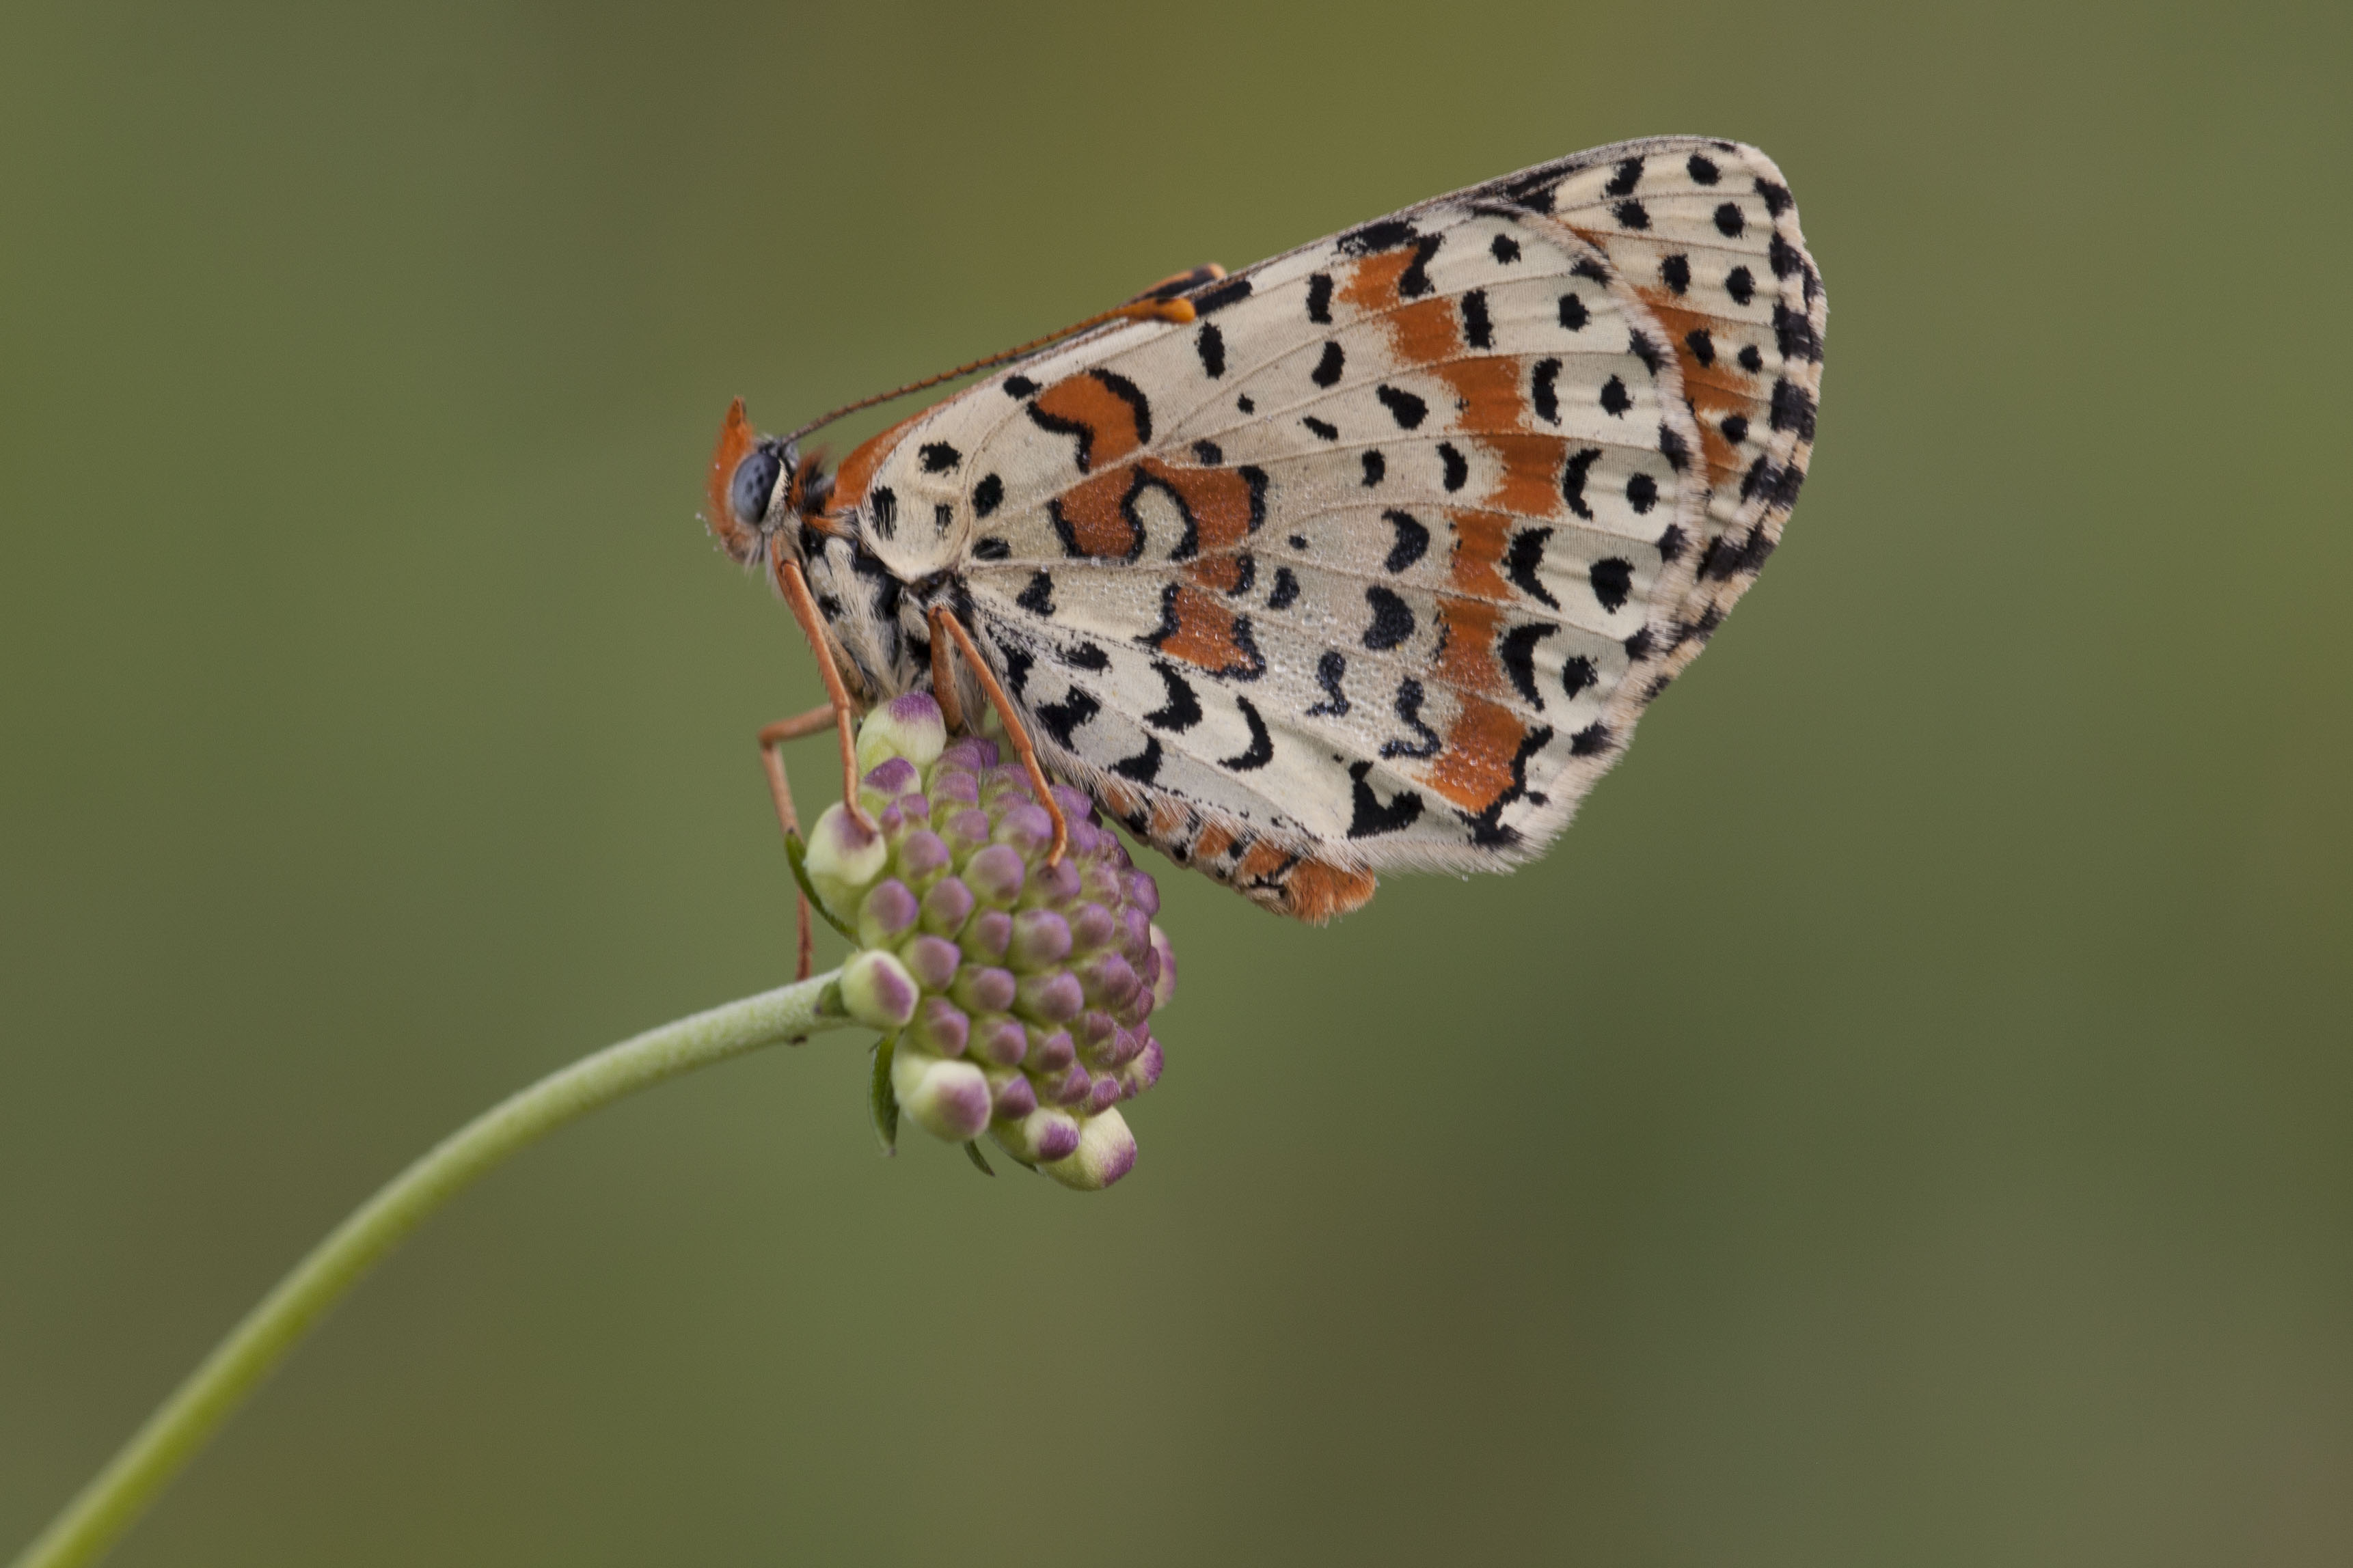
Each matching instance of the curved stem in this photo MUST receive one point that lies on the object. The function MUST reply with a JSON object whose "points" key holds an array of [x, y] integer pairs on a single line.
{"points": [[107, 1506]]}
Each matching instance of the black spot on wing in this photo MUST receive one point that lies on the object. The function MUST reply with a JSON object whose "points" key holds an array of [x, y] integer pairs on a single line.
{"points": [[1572, 479], [938, 457], [1639, 346], [1319, 299], [1624, 178], [1794, 334], [1145, 766], [988, 496], [1615, 399], [1261, 750], [1210, 344], [1020, 386], [1750, 359], [1702, 346], [1523, 562], [1593, 738], [1329, 367], [1218, 296], [1741, 284], [1703, 170], [1323, 429], [1286, 590], [1404, 407], [1543, 390], [1477, 330], [1374, 238], [1061, 719], [1209, 452], [1376, 467], [1573, 314], [1458, 467], [1392, 621], [1672, 448], [1675, 273], [1516, 650], [1793, 409], [1182, 709], [1642, 493], [1632, 215], [1086, 656], [1329, 671], [1414, 282], [1425, 742], [1037, 596], [1613, 580], [882, 506], [1577, 673], [1503, 248], [1370, 816], [991, 548], [1730, 220], [1412, 541], [1776, 194]]}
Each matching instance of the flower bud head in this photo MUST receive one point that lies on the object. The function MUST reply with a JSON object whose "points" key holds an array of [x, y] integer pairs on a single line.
{"points": [[1019, 991], [1164, 984]]}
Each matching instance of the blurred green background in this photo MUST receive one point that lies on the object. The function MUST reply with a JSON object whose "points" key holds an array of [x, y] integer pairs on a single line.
{"points": [[1907, 1120]]}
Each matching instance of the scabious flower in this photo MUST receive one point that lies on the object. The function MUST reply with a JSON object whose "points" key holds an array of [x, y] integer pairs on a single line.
{"points": [[1014, 996]]}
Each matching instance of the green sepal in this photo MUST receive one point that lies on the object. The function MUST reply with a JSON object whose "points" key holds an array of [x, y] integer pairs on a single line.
{"points": [[796, 852], [979, 1158], [881, 1100]]}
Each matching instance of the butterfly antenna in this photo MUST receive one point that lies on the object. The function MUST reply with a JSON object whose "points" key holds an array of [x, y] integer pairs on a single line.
{"points": [[1150, 306]]}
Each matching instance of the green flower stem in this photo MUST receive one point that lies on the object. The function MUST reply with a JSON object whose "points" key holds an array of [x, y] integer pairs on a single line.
{"points": [[173, 1434]]}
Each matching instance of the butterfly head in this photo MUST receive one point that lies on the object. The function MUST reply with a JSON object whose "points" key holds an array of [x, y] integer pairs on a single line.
{"points": [[759, 489]]}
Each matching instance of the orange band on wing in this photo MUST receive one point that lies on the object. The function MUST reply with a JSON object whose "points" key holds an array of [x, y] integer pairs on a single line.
{"points": [[1202, 632]]}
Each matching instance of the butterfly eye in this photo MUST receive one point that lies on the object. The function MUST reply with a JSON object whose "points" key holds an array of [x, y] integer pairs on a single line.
{"points": [[755, 483]]}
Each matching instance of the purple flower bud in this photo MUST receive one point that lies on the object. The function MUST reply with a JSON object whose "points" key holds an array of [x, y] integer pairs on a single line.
{"points": [[955, 788], [980, 990], [1054, 885], [988, 936], [932, 961], [1094, 1030], [1164, 984], [971, 753], [842, 859], [1121, 1048], [891, 778], [923, 854], [1069, 1087], [1090, 927], [965, 831], [1104, 1093], [1108, 980], [888, 909], [1145, 1070], [996, 874], [877, 989], [908, 729], [1051, 998], [1143, 892], [1106, 1151], [940, 1027], [1041, 1137], [948, 1099], [946, 906], [1135, 933], [1050, 1050], [1014, 1099], [1001, 1040], [915, 809], [1027, 828], [1040, 937]]}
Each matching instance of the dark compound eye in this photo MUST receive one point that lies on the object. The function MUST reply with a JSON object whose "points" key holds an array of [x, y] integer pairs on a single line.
{"points": [[754, 482]]}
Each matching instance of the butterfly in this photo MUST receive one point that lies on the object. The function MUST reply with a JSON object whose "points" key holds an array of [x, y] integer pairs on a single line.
{"points": [[1365, 558]]}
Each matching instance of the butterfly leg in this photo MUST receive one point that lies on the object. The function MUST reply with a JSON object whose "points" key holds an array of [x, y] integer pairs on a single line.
{"points": [[772, 738], [945, 625], [803, 607]]}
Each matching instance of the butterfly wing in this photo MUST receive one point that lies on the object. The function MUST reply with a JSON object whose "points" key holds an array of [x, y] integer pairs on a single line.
{"points": [[1374, 564]]}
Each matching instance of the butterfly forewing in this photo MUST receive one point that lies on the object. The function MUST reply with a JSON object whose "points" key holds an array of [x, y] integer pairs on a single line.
{"points": [[1374, 563]]}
